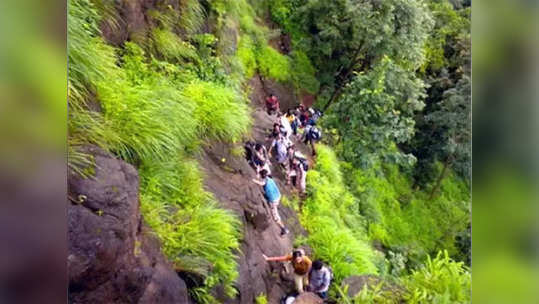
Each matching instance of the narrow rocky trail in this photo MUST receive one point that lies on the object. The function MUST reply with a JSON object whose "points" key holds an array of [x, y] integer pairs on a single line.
{"points": [[228, 177]]}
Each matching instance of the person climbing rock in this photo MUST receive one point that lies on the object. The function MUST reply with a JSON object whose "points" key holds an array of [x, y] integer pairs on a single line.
{"points": [[272, 104], [297, 173], [250, 152], [280, 146], [261, 158], [277, 129], [311, 135], [303, 117], [285, 124], [319, 279], [273, 196], [301, 265], [293, 120]]}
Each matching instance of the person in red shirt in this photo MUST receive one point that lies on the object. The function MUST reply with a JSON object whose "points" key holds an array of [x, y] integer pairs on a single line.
{"points": [[272, 104]]}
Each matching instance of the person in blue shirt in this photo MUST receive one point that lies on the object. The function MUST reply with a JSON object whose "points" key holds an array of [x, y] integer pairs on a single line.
{"points": [[272, 194]]}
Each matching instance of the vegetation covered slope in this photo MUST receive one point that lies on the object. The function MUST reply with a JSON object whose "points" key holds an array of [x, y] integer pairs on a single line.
{"points": [[394, 81], [391, 185]]}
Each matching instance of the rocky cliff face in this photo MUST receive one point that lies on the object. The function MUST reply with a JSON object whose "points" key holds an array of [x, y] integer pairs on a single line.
{"points": [[229, 177], [112, 257]]}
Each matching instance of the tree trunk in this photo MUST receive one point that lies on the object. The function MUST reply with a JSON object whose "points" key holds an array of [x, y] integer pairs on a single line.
{"points": [[333, 97], [435, 189], [344, 78]]}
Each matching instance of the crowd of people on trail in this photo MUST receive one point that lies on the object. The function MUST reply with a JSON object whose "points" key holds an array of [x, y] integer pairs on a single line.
{"points": [[297, 124]]}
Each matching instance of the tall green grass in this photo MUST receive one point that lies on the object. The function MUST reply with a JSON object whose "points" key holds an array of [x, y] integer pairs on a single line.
{"points": [[336, 232], [220, 111], [172, 47], [196, 235]]}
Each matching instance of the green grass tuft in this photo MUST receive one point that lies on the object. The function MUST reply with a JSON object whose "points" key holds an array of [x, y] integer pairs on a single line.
{"points": [[221, 112], [196, 235]]}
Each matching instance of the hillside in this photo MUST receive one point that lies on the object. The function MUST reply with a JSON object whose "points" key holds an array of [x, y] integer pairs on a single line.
{"points": [[163, 95]]}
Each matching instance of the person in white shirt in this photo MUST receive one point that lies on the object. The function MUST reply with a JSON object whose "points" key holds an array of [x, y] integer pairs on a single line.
{"points": [[319, 279]]}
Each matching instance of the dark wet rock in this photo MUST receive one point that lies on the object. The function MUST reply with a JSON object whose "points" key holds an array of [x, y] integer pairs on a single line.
{"points": [[112, 257], [308, 298]]}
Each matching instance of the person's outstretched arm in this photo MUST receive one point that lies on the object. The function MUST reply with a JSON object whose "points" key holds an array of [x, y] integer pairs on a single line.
{"points": [[276, 259], [259, 182]]}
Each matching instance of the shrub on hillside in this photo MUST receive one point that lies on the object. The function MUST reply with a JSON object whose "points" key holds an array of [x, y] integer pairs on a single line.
{"points": [[221, 112], [440, 280], [335, 232], [195, 234]]}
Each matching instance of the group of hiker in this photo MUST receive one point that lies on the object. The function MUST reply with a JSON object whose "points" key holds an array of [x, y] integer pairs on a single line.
{"points": [[293, 164], [298, 124], [295, 120], [308, 276]]}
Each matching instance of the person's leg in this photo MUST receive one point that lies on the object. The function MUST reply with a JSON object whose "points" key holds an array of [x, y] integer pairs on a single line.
{"points": [[275, 214], [298, 280], [305, 280], [302, 182]]}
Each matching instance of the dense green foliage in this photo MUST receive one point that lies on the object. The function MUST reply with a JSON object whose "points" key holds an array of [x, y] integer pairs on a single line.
{"points": [[406, 221], [440, 280], [328, 214], [344, 36], [444, 128], [376, 111]]}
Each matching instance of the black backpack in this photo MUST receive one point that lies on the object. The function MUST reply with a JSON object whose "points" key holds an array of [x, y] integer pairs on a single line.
{"points": [[317, 114], [303, 162], [315, 133]]}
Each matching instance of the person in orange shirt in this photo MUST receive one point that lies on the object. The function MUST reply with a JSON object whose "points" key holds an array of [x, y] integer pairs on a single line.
{"points": [[301, 264]]}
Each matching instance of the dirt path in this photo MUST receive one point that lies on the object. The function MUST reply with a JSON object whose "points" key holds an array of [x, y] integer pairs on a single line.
{"points": [[228, 177]]}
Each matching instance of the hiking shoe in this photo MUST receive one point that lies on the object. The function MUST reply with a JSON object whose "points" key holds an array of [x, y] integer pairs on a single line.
{"points": [[284, 231]]}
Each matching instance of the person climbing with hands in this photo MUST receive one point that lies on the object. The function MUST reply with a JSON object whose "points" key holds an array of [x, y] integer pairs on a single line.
{"points": [[319, 279], [301, 265], [273, 196]]}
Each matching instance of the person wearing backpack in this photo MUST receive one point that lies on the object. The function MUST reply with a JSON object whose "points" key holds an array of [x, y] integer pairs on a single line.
{"points": [[311, 135], [319, 279], [301, 265], [273, 196], [297, 174], [280, 146]]}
